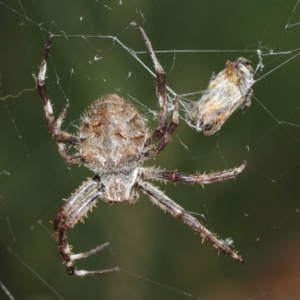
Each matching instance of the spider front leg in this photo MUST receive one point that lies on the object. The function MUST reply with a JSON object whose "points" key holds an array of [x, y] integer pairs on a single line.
{"points": [[162, 94], [54, 126], [166, 204], [155, 149], [75, 209]]}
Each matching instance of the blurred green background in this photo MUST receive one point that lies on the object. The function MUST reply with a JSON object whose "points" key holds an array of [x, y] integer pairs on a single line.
{"points": [[159, 256]]}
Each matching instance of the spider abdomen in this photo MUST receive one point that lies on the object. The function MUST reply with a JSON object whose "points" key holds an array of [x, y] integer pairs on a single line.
{"points": [[112, 135]]}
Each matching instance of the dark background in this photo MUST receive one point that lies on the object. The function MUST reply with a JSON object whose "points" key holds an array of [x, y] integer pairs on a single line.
{"points": [[159, 256]]}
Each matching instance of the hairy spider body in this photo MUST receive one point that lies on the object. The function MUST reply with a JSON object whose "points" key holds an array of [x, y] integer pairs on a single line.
{"points": [[113, 142], [227, 91], [112, 138]]}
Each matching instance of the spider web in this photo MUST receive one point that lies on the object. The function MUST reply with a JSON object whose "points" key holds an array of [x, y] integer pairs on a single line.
{"points": [[98, 50]]}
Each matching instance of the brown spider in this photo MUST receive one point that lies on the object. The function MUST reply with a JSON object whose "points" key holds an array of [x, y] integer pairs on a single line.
{"points": [[113, 141]]}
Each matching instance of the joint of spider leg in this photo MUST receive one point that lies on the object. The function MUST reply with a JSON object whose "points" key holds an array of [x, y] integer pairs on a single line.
{"points": [[180, 214], [71, 270]]}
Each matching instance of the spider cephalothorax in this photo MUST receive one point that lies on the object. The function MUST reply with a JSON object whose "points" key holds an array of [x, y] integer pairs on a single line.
{"points": [[113, 142]]}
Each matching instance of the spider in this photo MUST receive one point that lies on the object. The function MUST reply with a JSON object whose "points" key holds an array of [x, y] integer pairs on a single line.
{"points": [[113, 141], [227, 91]]}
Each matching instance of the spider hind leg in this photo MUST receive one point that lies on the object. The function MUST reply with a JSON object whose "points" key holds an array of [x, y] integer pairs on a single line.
{"points": [[75, 209], [165, 203]]}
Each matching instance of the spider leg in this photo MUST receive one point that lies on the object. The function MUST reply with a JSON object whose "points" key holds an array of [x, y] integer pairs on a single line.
{"points": [[154, 150], [54, 126], [75, 209], [166, 204], [174, 176], [162, 94]]}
